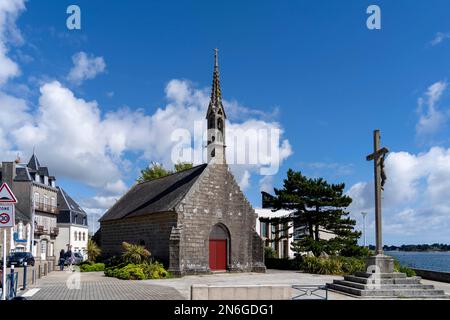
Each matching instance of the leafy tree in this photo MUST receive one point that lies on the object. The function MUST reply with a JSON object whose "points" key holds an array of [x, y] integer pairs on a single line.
{"points": [[317, 207], [93, 251], [156, 170], [134, 253], [181, 166]]}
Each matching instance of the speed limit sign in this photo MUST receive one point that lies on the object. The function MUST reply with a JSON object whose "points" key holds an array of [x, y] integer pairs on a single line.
{"points": [[7, 216]]}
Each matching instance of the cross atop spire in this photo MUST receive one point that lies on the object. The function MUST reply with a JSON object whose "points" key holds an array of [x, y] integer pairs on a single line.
{"points": [[216, 58]]}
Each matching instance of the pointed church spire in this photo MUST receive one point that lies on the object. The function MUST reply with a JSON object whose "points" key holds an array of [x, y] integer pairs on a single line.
{"points": [[216, 92], [216, 118]]}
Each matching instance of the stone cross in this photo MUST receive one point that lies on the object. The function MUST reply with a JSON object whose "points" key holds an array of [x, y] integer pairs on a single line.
{"points": [[378, 159]]}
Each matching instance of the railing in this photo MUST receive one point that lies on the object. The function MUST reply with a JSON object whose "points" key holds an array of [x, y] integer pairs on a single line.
{"points": [[310, 292], [40, 230], [45, 207], [54, 232]]}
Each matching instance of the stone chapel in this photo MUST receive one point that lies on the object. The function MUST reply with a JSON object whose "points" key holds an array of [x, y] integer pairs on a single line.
{"points": [[194, 221]]}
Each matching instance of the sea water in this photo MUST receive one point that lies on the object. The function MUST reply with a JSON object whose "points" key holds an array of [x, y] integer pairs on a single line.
{"points": [[436, 261]]}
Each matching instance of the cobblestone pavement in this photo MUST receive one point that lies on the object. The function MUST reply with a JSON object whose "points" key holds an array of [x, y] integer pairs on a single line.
{"points": [[95, 286]]}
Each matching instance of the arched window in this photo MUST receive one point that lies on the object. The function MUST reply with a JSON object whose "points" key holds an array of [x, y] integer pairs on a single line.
{"points": [[211, 122], [79, 235], [84, 236], [75, 235], [220, 127]]}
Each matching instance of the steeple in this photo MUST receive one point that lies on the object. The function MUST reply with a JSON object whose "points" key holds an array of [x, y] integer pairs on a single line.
{"points": [[216, 118], [216, 92]]}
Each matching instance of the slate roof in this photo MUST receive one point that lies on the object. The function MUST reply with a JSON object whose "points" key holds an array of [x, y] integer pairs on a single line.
{"points": [[22, 174], [43, 171], [34, 163], [158, 195], [65, 202]]}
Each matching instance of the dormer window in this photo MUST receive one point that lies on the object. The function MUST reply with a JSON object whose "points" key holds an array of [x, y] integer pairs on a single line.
{"points": [[37, 178], [46, 181]]}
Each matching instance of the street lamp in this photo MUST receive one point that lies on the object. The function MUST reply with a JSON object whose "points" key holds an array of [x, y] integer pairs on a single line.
{"points": [[364, 214]]}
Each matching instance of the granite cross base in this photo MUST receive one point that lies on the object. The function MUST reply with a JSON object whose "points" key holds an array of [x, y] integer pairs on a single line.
{"points": [[380, 264], [380, 281]]}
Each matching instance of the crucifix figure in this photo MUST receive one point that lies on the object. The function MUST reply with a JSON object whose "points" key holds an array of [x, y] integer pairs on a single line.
{"points": [[378, 156]]}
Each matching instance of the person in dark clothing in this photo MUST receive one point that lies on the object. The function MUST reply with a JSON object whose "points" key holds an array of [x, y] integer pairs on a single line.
{"points": [[62, 259], [70, 258]]}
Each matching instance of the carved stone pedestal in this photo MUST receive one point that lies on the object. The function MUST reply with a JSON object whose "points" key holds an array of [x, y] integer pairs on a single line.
{"points": [[380, 264]]}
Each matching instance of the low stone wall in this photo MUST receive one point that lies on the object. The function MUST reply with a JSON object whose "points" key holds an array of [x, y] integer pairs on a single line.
{"points": [[433, 275], [250, 292]]}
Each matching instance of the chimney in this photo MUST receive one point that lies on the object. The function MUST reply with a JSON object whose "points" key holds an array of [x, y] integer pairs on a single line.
{"points": [[8, 173]]}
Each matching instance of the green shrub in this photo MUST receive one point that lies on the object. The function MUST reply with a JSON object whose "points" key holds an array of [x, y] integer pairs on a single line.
{"points": [[332, 265], [350, 265], [318, 265], [145, 270], [134, 253], [88, 267], [131, 272], [269, 253], [154, 270]]}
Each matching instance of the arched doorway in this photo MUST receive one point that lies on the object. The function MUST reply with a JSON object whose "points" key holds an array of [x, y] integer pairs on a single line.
{"points": [[219, 244]]}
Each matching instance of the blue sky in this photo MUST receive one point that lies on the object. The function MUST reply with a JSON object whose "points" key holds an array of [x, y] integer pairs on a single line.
{"points": [[311, 68]]}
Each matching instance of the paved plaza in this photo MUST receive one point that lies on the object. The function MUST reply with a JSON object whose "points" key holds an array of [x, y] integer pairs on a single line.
{"points": [[95, 286]]}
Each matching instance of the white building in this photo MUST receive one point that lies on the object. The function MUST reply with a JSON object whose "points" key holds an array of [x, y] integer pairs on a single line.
{"points": [[72, 224], [269, 231], [279, 234]]}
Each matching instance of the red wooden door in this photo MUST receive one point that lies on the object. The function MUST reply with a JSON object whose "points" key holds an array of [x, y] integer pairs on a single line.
{"points": [[217, 254]]}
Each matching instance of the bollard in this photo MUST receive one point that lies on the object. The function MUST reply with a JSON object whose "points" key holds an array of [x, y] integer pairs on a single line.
{"points": [[11, 293], [24, 276]]}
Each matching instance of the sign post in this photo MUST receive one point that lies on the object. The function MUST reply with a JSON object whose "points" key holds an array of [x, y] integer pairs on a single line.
{"points": [[7, 220]]}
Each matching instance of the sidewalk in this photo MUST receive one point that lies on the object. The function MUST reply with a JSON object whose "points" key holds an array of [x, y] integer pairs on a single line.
{"points": [[63, 285]]}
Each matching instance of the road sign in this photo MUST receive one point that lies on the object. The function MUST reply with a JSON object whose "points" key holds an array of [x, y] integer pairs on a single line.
{"points": [[6, 195], [7, 215]]}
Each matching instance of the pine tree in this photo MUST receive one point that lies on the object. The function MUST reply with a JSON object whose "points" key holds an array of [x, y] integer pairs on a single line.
{"points": [[317, 207]]}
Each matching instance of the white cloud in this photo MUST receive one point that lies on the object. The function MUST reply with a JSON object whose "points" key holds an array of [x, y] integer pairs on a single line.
{"points": [[416, 199], [244, 182], [90, 147], [266, 184], [432, 119], [117, 187], [9, 34], [439, 37], [85, 67]]}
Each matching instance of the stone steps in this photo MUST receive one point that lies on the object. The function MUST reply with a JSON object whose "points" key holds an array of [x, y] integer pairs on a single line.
{"points": [[383, 286], [393, 293], [364, 280], [393, 275]]}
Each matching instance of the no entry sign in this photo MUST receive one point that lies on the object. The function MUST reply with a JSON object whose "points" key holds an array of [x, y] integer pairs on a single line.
{"points": [[6, 216]]}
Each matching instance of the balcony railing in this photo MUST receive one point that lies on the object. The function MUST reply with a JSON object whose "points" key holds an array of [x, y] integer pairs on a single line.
{"points": [[54, 232], [40, 230], [45, 207]]}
